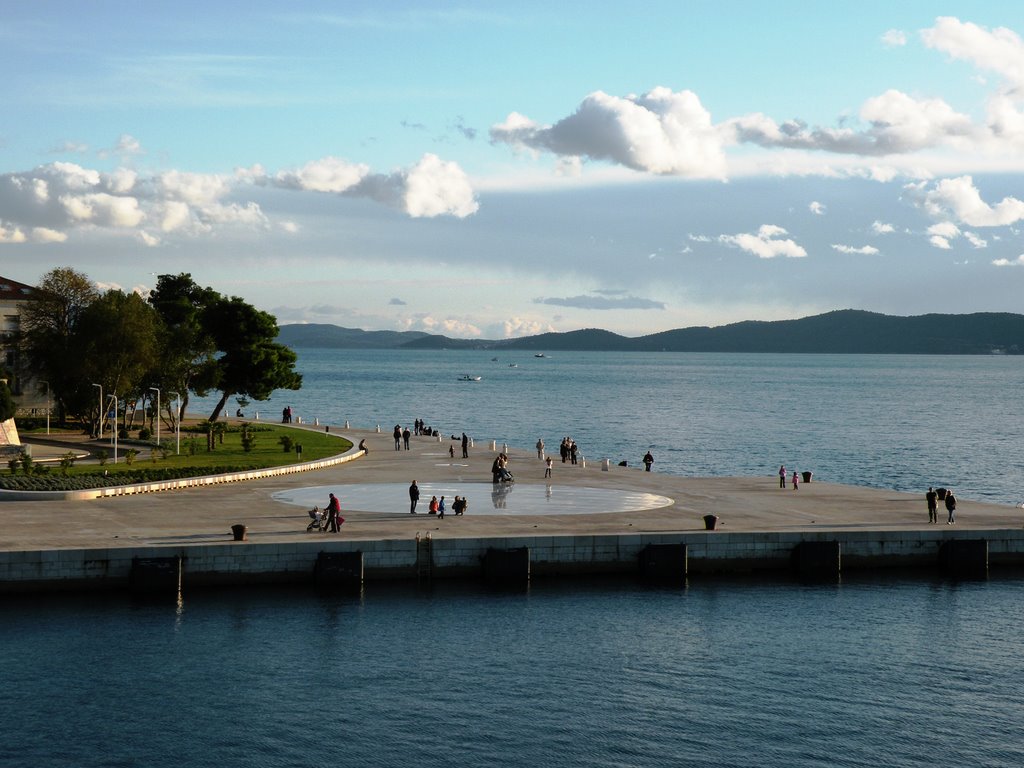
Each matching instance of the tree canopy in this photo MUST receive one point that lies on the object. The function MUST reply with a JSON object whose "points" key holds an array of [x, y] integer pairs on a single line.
{"points": [[184, 339]]}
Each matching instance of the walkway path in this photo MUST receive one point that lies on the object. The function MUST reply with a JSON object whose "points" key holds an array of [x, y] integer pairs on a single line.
{"points": [[204, 515]]}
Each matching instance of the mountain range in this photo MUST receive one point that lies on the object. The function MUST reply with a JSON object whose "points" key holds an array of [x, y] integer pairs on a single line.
{"points": [[847, 331]]}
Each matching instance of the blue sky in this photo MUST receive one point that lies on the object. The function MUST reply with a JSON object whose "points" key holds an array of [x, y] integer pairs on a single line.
{"points": [[492, 170]]}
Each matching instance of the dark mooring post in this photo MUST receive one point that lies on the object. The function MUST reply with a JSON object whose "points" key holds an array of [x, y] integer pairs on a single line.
{"points": [[506, 566], [817, 560], [663, 562], [964, 558], [339, 570]]}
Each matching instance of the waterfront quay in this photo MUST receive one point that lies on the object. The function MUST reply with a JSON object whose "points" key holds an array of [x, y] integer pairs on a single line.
{"points": [[589, 518]]}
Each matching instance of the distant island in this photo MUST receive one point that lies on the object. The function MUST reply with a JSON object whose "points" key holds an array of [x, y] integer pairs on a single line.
{"points": [[847, 331]]}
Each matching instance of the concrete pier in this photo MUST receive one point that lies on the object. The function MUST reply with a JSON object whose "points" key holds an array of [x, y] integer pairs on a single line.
{"points": [[604, 519]]}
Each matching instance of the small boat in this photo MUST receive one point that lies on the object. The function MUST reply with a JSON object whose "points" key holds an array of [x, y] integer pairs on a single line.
{"points": [[467, 377], [540, 354], [512, 365]]}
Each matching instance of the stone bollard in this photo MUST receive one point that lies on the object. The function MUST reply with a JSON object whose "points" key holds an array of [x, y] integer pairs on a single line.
{"points": [[257, 415], [604, 464], [316, 422], [494, 445], [347, 425], [378, 429], [583, 461], [239, 532]]}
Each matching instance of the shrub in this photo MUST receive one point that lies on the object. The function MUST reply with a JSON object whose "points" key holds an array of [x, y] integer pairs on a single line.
{"points": [[26, 463], [145, 434], [286, 442], [129, 456], [102, 456], [67, 461], [13, 464]]}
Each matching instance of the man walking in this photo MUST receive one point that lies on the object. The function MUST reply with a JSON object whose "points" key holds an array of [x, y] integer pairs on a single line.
{"points": [[414, 496], [933, 509]]}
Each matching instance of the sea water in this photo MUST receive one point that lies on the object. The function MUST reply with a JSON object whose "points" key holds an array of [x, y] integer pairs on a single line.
{"points": [[901, 422], [888, 671], [864, 673]]}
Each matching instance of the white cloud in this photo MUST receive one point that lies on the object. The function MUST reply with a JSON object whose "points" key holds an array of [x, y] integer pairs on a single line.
{"points": [[897, 123], [1018, 262], [974, 240], [894, 38], [940, 242], [817, 208], [881, 228], [434, 187], [515, 327], [10, 234], [47, 235], [448, 326], [999, 50], [944, 229], [961, 199], [660, 132], [765, 244], [866, 250], [328, 174]]}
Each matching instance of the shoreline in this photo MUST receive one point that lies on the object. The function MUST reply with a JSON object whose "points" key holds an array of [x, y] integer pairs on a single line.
{"points": [[93, 543]]}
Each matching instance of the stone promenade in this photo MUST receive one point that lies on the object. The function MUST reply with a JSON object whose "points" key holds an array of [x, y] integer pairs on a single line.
{"points": [[743, 504]]}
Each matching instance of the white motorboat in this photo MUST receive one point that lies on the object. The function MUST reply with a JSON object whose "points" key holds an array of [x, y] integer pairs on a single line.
{"points": [[467, 377]]}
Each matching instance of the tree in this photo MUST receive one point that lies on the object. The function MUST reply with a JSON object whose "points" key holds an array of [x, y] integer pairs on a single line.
{"points": [[250, 362], [7, 408], [48, 324], [116, 341], [187, 360]]}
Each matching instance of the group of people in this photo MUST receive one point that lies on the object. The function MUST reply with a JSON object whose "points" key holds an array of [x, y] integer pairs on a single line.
{"points": [[401, 436], [437, 506], [568, 450], [783, 475], [286, 414], [499, 469], [947, 498]]}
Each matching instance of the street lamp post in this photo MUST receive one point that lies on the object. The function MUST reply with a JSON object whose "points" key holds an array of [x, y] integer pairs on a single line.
{"points": [[157, 389], [47, 405], [177, 423], [113, 435], [99, 417]]}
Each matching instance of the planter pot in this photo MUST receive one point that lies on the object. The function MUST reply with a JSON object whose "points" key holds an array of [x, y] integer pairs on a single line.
{"points": [[239, 531]]}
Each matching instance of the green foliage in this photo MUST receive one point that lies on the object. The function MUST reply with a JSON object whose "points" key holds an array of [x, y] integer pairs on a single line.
{"points": [[102, 456], [129, 456], [248, 439], [286, 442], [145, 434], [67, 461], [13, 463], [26, 463]]}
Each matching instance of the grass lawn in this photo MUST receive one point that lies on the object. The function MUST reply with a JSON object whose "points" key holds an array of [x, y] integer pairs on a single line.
{"points": [[266, 450]]}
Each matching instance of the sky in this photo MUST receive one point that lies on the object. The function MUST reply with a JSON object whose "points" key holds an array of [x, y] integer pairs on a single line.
{"points": [[493, 170]]}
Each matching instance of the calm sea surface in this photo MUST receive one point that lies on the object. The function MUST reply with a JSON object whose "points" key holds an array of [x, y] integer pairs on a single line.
{"points": [[869, 672], [733, 673]]}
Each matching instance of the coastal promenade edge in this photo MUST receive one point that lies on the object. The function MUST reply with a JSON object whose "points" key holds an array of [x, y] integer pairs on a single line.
{"points": [[96, 544]]}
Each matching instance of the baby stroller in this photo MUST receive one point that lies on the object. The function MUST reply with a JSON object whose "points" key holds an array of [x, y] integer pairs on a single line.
{"points": [[319, 520]]}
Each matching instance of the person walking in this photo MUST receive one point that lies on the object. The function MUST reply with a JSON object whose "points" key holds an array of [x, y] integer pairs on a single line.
{"points": [[398, 437], [540, 448], [951, 507], [796, 481], [933, 508], [440, 509], [465, 445], [648, 460], [405, 437], [414, 497], [333, 511], [782, 476], [547, 466]]}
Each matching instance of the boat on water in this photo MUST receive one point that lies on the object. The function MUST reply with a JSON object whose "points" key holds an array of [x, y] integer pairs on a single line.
{"points": [[467, 377], [512, 365], [540, 354]]}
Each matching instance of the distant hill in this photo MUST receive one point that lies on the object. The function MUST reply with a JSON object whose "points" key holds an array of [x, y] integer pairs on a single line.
{"points": [[846, 331], [325, 336]]}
